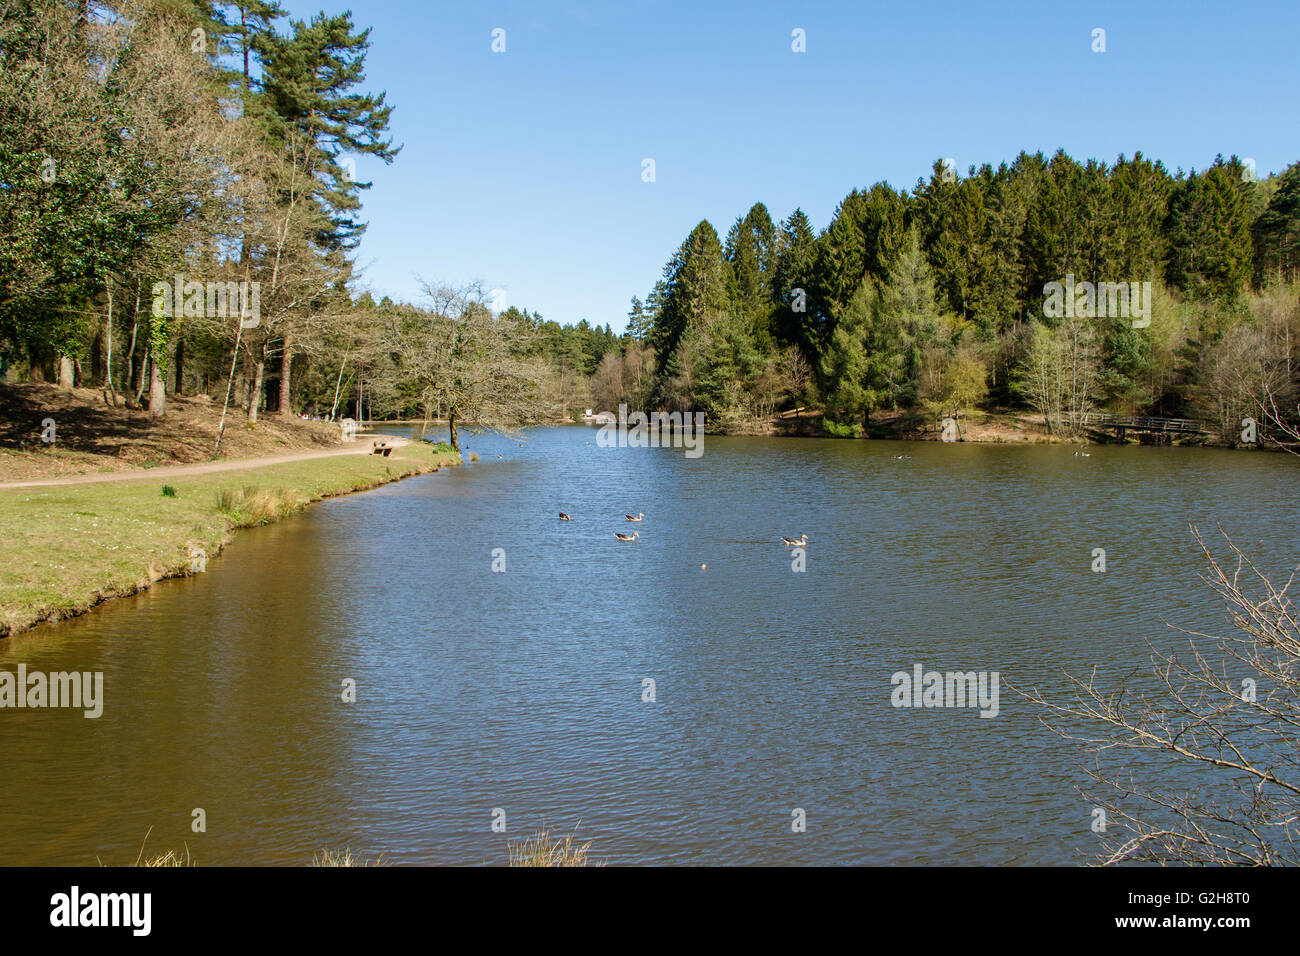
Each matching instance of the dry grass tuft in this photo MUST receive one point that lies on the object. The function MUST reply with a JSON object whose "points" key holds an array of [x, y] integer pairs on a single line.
{"points": [[541, 849], [170, 858], [251, 505], [344, 857]]}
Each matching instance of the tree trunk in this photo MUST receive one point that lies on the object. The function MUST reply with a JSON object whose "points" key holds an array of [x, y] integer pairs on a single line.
{"points": [[286, 366], [451, 428], [424, 425], [130, 355], [157, 392], [108, 350], [334, 409], [180, 362], [230, 382], [255, 398], [96, 359], [66, 370], [141, 380]]}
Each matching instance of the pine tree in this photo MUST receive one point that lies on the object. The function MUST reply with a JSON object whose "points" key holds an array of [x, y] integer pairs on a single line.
{"points": [[1054, 229], [795, 318], [695, 292], [308, 84], [751, 252], [639, 320], [955, 227], [1208, 229], [997, 294], [310, 102], [726, 362], [1276, 232], [862, 240], [1139, 194], [252, 26], [879, 336]]}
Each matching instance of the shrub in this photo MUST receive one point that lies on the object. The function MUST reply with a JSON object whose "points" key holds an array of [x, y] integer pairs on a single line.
{"points": [[836, 430]]}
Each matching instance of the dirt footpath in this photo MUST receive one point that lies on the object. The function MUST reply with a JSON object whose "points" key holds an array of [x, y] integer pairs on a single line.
{"points": [[364, 445]]}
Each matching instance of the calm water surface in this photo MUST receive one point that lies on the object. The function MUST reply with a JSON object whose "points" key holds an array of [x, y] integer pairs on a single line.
{"points": [[522, 690]]}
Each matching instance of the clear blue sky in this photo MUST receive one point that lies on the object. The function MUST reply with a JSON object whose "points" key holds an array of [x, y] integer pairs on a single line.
{"points": [[523, 168]]}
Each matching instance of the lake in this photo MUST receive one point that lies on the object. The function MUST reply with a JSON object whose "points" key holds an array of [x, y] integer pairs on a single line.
{"points": [[524, 689]]}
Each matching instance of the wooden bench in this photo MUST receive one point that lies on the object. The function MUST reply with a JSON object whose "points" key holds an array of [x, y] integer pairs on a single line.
{"points": [[382, 448]]}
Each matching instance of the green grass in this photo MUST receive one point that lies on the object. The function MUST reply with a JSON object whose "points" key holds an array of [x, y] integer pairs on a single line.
{"points": [[64, 548]]}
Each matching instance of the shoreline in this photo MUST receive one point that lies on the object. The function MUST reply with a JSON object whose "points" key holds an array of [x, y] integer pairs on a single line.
{"points": [[139, 534], [998, 427]]}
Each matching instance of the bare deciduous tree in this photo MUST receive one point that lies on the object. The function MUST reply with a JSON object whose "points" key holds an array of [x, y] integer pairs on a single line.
{"points": [[473, 366], [1058, 375], [1228, 712]]}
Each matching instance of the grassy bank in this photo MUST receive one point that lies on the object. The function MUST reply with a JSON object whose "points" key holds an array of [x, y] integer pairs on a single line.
{"points": [[91, 437], [63, 549]]}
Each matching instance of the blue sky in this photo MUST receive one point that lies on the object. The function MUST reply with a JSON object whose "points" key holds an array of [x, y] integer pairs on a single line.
{"points": [[523, 169]]}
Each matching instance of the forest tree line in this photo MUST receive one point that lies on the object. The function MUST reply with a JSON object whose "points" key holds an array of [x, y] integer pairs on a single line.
{"points": [[933, 300], [152, 144], [151, 139], [205, 142]]}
